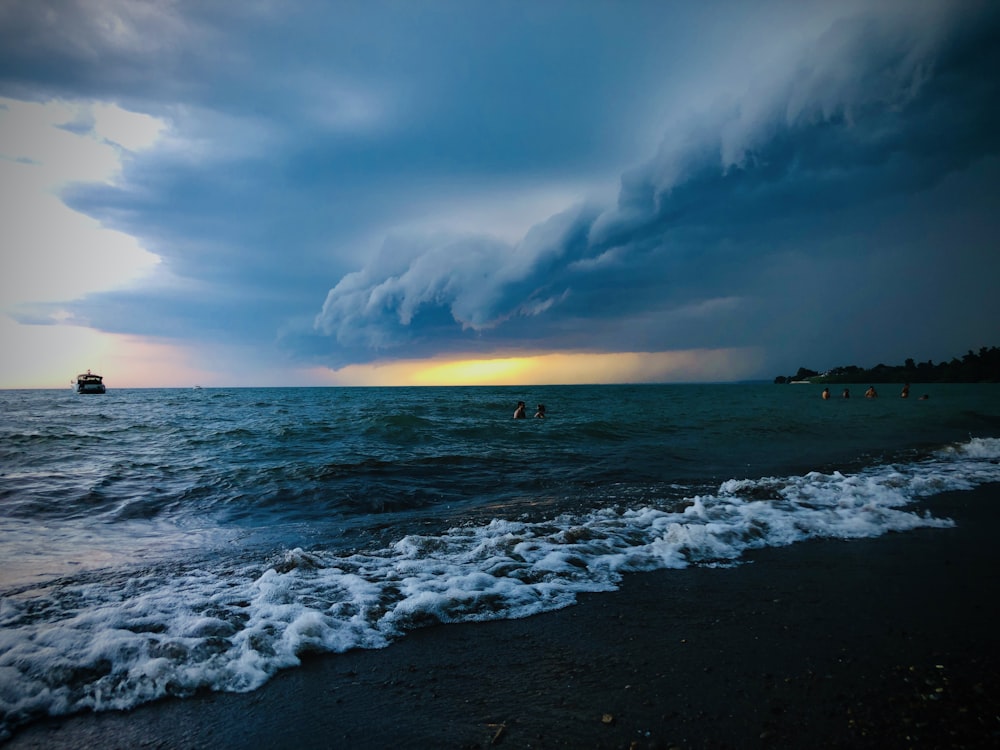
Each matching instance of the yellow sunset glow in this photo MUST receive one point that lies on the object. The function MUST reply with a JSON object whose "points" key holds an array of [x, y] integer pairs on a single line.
{"points": [[696, 365], [474, 371], [50, 356]]}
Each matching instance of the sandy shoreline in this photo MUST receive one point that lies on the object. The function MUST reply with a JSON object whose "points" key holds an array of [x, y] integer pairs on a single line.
{"points": [[888, 642]]}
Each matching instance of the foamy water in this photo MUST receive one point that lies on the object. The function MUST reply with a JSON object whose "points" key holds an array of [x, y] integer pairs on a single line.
{"points": [[221, 588]]}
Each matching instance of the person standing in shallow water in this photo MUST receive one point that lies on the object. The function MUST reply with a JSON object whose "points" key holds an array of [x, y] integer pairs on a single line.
{"points": [[846, 393], [871, 392], [906, 391], [540, 412], [519, 412], [826, 394]]}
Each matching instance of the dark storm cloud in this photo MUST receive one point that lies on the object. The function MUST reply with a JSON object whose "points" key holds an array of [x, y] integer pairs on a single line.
{"points": [[814, 168], [297, 129], [838, 199]]}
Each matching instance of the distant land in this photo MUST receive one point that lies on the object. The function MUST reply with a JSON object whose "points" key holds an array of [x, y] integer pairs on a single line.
{"points": [[981, 367]]}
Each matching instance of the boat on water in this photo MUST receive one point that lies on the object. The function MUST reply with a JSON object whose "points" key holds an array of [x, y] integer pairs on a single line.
{"points": [[88, 382]]}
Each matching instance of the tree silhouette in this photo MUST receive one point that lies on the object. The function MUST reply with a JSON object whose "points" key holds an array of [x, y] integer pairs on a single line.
{"points": [[974, 367]]}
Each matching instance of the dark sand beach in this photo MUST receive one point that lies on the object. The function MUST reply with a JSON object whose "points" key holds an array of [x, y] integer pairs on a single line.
{"points": [[889, 642]]}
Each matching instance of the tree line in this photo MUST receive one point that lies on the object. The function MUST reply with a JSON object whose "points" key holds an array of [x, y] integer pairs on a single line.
{"points": [[973, 367]]}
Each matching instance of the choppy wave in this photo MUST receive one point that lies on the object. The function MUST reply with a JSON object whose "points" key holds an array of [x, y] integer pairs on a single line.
{"points": [[108, 640]]}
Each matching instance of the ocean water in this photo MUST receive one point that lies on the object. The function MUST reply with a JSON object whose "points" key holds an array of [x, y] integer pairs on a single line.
{"points": [[160, 542]]}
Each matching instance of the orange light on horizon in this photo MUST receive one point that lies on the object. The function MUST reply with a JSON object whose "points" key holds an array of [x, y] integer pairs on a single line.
{"points": [[504, 371], [50, 356], [570, 368]]}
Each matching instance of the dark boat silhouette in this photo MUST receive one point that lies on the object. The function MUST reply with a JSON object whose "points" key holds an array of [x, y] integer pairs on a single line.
{"points": [[88, 382]]}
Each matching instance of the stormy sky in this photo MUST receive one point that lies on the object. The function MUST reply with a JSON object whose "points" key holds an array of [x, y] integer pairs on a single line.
{"points": [[351, 192]]}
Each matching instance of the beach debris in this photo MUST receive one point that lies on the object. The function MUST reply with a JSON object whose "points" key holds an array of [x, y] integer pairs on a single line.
{"points": [[499, 730]]}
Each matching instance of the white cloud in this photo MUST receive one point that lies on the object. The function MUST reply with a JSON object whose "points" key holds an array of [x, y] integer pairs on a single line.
{"points": [[46, 137], [133, 131], [503, 211], [52, 253], [482, 282]]}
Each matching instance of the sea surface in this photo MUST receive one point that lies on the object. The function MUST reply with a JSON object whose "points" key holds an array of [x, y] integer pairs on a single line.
{"points": [[161, 542]]}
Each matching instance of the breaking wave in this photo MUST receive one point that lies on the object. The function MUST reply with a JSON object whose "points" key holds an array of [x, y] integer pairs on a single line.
{"points": [[107, 640]]}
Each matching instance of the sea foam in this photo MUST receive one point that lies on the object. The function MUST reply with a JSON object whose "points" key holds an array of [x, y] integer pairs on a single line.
{"points": [[100, 643]]}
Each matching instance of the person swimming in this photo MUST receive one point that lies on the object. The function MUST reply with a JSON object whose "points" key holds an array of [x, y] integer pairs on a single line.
{"points": [[826, 394], [519, 412], [846, 393], [871, 392], [540, 412]]}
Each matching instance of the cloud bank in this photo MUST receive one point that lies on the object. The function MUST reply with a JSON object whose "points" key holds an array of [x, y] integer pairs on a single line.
{"points": [[821, 191], [809, 165]]}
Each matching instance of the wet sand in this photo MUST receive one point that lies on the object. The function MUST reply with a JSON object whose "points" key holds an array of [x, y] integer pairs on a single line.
{"points": [[886, 643]]}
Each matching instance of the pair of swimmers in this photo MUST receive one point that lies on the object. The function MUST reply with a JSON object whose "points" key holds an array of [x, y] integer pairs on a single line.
{"points": [[872, 393], [845, 394], [520, 413], [905, 393]]}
